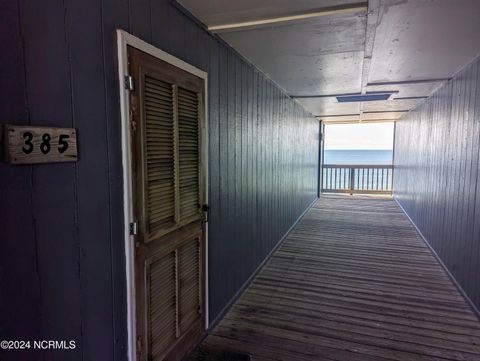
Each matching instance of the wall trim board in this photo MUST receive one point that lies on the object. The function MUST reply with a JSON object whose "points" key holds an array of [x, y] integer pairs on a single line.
{"points": [[125, 39], [474, 308], [230, 303]]}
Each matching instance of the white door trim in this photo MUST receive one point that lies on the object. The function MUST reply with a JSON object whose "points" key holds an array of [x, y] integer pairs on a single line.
{"points": [[125, 39]]}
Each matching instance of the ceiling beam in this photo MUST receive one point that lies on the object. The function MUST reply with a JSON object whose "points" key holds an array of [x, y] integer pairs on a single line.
{"points": [[370, 32], [321, 95], [248, 25], [385, 111], [338, 115], [359, 121], [411, 98], [400, 82], [342, 94]]}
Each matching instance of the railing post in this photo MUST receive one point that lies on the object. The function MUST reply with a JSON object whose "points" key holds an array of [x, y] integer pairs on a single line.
{"points": [[391, 187], [352, 180]]}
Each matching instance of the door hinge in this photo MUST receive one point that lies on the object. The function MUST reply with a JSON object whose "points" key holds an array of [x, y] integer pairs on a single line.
{"points": [[129, 82], [133, 228]]}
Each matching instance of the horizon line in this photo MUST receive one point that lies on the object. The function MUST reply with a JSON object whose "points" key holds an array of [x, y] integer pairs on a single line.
{"points": [[358, 148]]}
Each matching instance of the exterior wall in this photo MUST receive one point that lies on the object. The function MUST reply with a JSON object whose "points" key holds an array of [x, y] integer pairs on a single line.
{"points": [[437, 179], [62, 261]]}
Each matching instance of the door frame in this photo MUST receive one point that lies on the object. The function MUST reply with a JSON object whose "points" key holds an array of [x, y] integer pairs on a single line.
{"points": [[321, 148], [125, 39]]}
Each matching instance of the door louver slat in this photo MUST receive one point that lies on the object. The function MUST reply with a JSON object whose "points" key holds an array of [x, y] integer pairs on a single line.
{"points": [[189, 283], [162, 305], [159, 150], [188, 129]]}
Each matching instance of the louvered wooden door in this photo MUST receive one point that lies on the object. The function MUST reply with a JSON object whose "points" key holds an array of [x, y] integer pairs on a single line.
{"points": [[167, 106]]}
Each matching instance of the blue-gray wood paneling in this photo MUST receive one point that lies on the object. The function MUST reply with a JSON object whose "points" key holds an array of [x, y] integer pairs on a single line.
{"points": [[62, 266], [437, 178]]}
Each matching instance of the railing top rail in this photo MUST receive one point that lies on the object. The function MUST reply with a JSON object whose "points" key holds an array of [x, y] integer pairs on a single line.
{"points": [[370, 166]]}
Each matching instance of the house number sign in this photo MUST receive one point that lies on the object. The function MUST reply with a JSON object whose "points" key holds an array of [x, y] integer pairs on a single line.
{"points": [[29, 145]]}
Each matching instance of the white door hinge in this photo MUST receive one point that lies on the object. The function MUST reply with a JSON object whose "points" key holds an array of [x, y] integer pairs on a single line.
{"points": [[133, 228], [129, 82]]}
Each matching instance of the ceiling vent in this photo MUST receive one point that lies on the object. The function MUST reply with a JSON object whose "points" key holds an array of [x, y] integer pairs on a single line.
{"points": [[363, 97]]}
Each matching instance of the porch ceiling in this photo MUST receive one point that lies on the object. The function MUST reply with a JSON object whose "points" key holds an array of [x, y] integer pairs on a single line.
{"points": [[316, 49]]}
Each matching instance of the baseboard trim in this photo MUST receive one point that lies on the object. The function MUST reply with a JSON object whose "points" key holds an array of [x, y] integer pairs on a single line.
{"points": [[474, 308], [229, 305]]}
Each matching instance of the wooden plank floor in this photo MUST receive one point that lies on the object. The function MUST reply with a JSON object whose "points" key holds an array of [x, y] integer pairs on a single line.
{"points": [[353, 281]]}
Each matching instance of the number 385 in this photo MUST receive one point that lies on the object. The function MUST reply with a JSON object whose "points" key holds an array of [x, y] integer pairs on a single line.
{"points": [[45, 145]]}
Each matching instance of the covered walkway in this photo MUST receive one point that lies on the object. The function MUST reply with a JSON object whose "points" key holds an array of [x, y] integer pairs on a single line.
{"points": [[353, 281]]}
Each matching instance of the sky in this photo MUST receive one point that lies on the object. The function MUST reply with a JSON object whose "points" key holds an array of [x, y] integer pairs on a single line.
{"points": [[359, 136]]}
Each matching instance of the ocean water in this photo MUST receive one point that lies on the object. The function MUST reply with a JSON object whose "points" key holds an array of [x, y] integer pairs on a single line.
{"points": [[358, 156]]}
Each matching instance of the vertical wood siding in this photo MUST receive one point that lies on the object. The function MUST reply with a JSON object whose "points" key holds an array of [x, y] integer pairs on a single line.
{"points": [[437, 178], [62, 272]]}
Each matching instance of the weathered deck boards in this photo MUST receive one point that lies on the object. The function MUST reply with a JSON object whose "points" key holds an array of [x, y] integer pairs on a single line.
{"points": [[353, 281]]}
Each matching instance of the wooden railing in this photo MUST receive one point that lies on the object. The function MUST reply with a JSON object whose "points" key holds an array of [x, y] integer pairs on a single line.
{"points": [[353, 178]]}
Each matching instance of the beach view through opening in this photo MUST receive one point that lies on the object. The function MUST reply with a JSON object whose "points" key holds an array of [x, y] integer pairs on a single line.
{"points": [[358, 158]]}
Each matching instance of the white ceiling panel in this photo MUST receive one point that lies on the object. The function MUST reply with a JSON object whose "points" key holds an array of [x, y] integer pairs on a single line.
{"points": [[390, 105], [420, 39], [381, 116], [323, 56], [410, 47], [407, 90], [328, 106], [326, 74], [342, 119]]}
